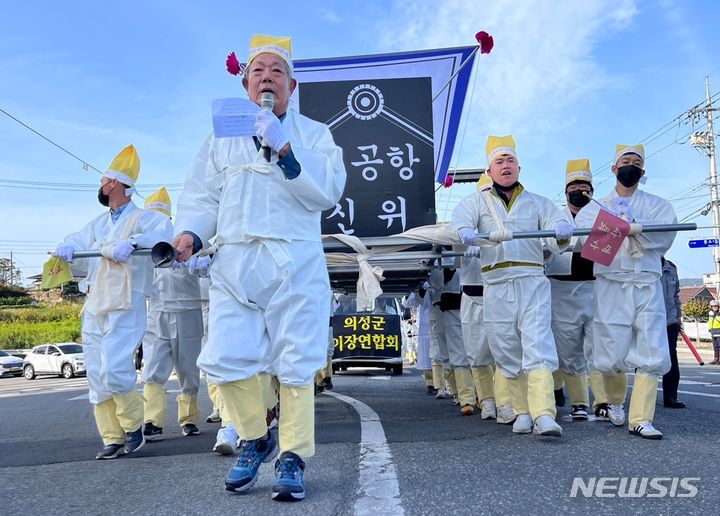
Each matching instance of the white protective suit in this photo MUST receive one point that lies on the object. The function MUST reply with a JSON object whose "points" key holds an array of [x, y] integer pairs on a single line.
{"points": [[573, 299], [629, 329], [422, 304], [268, 299], [174, 335], [516, 296], [110, 340]]}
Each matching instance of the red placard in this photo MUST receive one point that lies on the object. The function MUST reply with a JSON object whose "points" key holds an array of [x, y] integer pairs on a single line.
{"points": [[603, 243]]}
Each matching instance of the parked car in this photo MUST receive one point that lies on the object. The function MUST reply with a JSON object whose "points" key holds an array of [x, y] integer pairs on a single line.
{"points": [[66, 360], [10, 365]]}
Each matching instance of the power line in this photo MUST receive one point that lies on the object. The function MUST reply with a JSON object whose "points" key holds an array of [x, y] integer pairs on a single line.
{"points": [[85, 163]]}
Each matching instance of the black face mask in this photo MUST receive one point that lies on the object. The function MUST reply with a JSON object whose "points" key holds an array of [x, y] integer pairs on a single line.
{"points": [[103, 198], [629, 175], [578, 199]]}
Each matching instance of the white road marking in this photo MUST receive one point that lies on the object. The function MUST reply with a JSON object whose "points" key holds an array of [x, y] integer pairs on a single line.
{"points": [[379, 377], [379, 491]]}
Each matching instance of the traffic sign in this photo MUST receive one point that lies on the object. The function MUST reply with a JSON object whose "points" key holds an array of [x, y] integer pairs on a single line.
{"points": [[704, 242]]}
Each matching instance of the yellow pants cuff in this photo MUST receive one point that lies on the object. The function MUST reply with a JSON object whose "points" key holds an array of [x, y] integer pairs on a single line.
{"points": [[129, 410], [597, 386], [518, 388], [541, 400], [577, 387], [297, 420], [438, 379], [188, 410], [558, 379], [465, 386], [155, 404], [428, 377], [616, 388], [503, 394], [215, 397], [483, 378], [107, 423], [642, 400], [450, 381], [244, 406]]}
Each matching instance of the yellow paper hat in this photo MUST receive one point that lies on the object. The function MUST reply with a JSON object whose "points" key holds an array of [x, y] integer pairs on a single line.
{"points": [[498, 145], [621, 150], [578, 170], [484, 182], [159, 201], [278, 45], [125, 167]]}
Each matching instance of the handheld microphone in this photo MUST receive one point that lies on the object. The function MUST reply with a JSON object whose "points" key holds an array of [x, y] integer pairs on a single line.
{"points": [[267, 101]]}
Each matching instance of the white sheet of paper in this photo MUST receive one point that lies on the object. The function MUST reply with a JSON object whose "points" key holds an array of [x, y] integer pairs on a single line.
{"points": [[234, 117]]}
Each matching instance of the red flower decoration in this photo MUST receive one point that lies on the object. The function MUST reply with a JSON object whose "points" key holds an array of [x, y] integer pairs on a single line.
{"points": [[232, 64], [485, 40], [449, 179]]}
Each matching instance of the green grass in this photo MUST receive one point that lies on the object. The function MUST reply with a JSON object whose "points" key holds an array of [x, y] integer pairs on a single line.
{"points": [[27, 327]]}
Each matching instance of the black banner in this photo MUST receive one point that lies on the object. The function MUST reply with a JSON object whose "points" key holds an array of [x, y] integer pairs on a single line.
{"points": [[384, 127], [366, 335]]}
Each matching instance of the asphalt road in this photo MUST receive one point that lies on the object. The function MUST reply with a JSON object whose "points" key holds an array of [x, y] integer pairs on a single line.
{"points": [[432, 462]]}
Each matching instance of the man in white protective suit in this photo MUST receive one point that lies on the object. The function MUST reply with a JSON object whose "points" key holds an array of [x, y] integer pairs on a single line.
{"points": [[573, 296], [629, 329], [445, 294], [173, 338], [516, 300], [115, 316], [420, 300], [477, 346], [269, 295]]}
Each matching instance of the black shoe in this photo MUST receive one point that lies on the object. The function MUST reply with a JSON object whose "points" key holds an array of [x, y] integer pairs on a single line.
{"points": [[559, 398], [190, 429], [134, 440], [579, 412], [602, 412], [318, 389], [674, 404], [431, 391], [153, 433], [111, 451], [327, 383]]}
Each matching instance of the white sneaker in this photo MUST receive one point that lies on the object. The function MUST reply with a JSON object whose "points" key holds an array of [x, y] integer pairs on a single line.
{"points": [[617, 414], [505, 415], [442, 394], [226, 440], [214, 417], [647, 431], [523, 424], [488, 409], [546, 426]]}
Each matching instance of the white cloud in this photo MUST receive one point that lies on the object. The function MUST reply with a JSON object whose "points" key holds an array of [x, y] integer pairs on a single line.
{"points": [[542, 63], [329, 16]]}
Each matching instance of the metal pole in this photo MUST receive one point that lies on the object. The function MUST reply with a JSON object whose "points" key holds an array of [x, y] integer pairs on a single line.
{"points": [[97, 254], [713, 183]]}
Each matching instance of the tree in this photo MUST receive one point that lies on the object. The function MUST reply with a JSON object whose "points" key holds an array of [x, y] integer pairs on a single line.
{"points": [[9, 274], [696, 310]]}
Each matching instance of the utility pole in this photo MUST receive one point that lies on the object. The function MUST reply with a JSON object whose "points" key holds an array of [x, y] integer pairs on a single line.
{"points": [[706, 141], [11, 270]]}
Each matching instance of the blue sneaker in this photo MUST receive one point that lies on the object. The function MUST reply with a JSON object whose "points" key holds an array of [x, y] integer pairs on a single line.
{"points": [[243, 475], [289, 485]]}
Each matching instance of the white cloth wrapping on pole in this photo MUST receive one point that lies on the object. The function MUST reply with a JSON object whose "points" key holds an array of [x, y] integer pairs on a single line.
{"points": [[268, 299], [369, 277]]}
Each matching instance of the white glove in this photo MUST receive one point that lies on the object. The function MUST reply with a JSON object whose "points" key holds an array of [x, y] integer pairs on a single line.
{"points": [[199, 265], [122, 251], [176, 265], [563, 230], [467, 236], [64, 252], [270, 130], [472, 251]]}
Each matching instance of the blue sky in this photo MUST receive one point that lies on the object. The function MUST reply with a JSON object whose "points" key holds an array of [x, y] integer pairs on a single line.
{"points": [[568, 79]]}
